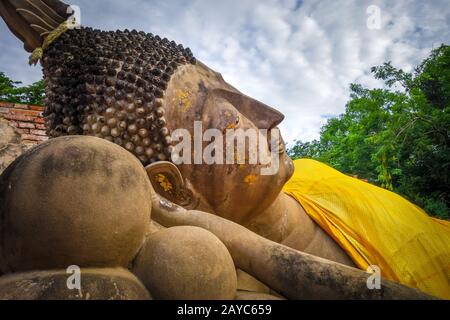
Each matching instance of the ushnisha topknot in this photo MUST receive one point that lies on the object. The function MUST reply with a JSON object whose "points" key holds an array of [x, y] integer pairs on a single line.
{"points": [[110, 85]]}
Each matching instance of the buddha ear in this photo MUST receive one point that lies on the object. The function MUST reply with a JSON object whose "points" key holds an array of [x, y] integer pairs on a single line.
{"points": [[168, 182]]}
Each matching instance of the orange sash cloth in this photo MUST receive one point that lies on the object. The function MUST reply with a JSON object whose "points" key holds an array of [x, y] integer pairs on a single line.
{"points": [[376, 227]]}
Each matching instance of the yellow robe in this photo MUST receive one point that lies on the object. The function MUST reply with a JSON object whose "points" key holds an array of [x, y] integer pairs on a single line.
{"points": [[376, 227]]}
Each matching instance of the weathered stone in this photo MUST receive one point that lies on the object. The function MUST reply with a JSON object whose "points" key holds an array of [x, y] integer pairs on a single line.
{"points": [[73, 201], [250, 284], [10, 144], [186, 263], [255, 296], [96, 284]]}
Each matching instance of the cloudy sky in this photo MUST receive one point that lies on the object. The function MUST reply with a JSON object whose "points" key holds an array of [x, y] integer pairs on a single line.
{"points": [[297, 56]]}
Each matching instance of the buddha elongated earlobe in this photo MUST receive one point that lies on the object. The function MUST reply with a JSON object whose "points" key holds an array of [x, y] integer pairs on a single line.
{"points": [[168, 182]]}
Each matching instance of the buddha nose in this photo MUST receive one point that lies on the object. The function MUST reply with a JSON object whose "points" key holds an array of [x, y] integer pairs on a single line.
{"points": [[263, 116]]}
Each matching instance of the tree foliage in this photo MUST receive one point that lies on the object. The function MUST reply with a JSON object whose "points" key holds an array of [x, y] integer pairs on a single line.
{"points": [[11, 91], [397, 137]]}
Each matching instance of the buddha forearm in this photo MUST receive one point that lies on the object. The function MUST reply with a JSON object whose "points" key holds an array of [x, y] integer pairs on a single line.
{"points": [[292, 273]]}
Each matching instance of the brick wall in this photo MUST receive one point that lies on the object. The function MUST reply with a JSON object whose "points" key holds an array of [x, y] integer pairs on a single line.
{"points": [[27, 120]]}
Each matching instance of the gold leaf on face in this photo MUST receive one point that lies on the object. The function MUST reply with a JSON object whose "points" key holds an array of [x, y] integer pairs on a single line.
{"points": [[164, 182], [184, 100], [251, 179]]}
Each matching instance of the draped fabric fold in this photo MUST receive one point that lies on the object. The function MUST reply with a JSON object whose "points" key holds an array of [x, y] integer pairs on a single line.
{"points": [[376, 227]]}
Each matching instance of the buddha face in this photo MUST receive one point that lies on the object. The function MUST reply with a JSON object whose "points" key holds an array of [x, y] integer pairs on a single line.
{"points": [[198, 97]]}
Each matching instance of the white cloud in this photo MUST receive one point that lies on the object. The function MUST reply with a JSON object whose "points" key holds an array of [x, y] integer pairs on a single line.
{"points": [[298, 56]]}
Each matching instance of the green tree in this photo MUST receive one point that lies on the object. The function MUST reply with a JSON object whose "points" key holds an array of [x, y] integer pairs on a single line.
{"points": [[397, 137], [310, 150], [10, 91]]}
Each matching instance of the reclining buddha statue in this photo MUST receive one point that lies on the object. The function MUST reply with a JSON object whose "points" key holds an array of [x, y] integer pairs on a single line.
{"points": [[305, 231]]}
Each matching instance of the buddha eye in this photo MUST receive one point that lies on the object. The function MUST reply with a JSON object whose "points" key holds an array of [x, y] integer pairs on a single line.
{"points": [[235, 124]]}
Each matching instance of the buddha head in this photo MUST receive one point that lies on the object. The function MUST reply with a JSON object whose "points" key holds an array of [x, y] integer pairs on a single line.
{"points": [[208, 109], [139, 91]]}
